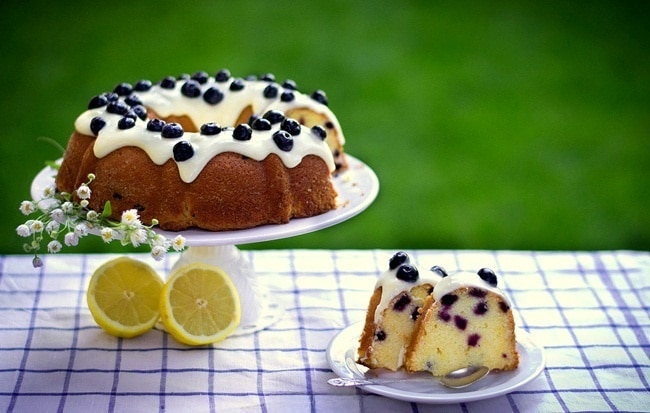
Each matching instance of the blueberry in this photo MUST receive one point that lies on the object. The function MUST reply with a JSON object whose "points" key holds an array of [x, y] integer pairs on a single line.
{"points": [[488, 276], [191, 89], [213, 95], [408, 273], [473, 339], [242, 132], [126, 123], [448, 299], [268, 77], [290, 84], [284, 140], [292, 126], [398, 259], [156, 125], [503, 306], [237, 84], [222, 75], [172, 131], [274, 116], [287, 96], [380, 335], [402, 302], [461, 322], [271, 91], [132, 100], [131, 114], [481, 308], [123, 89], [444, 315], [183, 151], [477, 292], [200, 77], [210, 129], [252, 119], [117, 107], [319, 131], [96, 124], [439, 270], [142, 85], [139, 111], [320, 97], [111, 97], [168, 82], [261, 124], [97, 102]]}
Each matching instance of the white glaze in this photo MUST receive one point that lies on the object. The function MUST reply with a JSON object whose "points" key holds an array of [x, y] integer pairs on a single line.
{"points": [[168, 102], [391, 286]]}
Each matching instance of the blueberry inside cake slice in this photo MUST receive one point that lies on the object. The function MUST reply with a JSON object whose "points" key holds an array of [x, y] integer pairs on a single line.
{"points": [[392, 313], [466, 321]]}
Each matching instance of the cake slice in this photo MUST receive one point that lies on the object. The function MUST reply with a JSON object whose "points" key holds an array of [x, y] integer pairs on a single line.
{"points": [[466, 321], [392, 313]]}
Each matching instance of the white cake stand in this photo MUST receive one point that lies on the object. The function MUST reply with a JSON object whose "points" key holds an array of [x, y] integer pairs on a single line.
{"points": [[357, 188]]}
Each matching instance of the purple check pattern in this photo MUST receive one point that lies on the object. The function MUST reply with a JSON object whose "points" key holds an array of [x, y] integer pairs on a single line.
{"points": [[590, 311]]}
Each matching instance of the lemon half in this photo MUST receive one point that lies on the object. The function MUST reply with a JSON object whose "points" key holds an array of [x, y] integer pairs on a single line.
{"points": [[123, 297], [199, 304]]}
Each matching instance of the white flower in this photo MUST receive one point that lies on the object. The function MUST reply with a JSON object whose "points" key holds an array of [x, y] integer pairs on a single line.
{"points": [[37, 226], [159, 240], [67, 207], [130, 217], [84, 203], [83, 191], [27, 207], [92, 215], [178, 243], [49, 191], [54, 246], [138, 236], [107, 234], [58, 215], [71, 239], [158, 252], [23, 230], [52, 227], [81, 230]]}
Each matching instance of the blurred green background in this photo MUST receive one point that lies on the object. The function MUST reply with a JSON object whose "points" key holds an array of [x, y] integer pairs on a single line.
{"points": [[498, 125]]}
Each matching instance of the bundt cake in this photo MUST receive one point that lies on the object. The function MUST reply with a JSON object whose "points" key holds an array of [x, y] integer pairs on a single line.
{"points": [[467, 321], [210, 152], [437, 322], [392, 313]]}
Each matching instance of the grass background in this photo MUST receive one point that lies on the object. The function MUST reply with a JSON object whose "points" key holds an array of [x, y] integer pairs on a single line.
{"points": [[499, 125]]}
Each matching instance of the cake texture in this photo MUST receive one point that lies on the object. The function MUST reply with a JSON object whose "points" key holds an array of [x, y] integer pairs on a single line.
{"points": [[437, 322], [467, 321], [209, 152], [392, 313]]}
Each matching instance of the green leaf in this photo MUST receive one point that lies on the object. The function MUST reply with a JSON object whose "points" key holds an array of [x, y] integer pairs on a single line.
{"points": [[107, 210]]}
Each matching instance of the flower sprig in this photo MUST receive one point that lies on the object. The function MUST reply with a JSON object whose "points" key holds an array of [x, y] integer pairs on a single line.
{"points": [[60, 215]]}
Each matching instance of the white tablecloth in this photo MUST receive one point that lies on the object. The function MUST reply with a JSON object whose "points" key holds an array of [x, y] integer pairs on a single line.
{"points": [[590, 311]]}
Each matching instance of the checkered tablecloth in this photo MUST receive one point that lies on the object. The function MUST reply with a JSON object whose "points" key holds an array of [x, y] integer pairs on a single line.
{"points": [[590, 311]]}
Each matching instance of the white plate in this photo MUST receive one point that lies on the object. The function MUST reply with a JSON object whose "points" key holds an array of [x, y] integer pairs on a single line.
{"points": [[357, 188], [342, 355]]}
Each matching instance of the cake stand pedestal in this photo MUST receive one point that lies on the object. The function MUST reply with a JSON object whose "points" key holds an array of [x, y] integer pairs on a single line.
{"points": [[357, 188]]}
